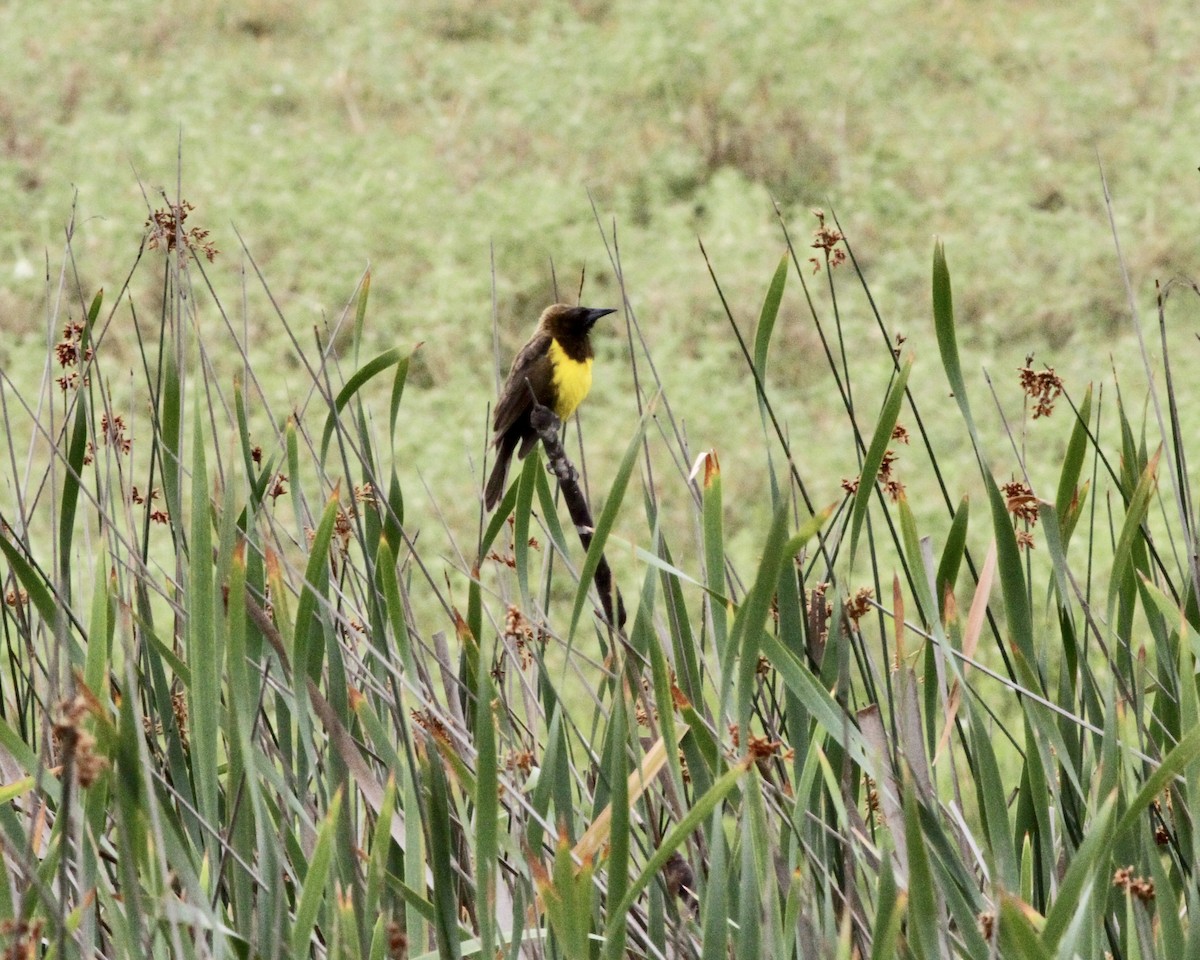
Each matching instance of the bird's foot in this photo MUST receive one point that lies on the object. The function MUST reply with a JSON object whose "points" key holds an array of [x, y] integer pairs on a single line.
{"points": [[545, 421], [563, 470]]}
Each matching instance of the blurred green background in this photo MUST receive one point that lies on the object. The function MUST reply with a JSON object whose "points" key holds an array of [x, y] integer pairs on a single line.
{"points": [[430, 139]]}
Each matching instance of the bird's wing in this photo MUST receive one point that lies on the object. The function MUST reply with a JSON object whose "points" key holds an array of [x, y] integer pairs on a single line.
{"points": [[533, 365]]}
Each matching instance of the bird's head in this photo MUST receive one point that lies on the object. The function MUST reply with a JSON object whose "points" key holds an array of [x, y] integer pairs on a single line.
{"points": [[563, 321]]}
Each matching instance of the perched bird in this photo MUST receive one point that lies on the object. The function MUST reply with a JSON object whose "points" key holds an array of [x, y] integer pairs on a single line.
{"points": [[555, 366]]}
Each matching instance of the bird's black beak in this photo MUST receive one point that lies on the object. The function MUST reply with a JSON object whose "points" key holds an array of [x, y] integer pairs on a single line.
{"points": [[590, 316]]}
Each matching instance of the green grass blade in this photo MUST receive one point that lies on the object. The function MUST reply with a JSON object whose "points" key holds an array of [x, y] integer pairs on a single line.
{"points": [[31, 581], [889, 915], [1131, 530], [522, 514], [1018, 937], [748, 624], [766, 318], [441, 856], [1090, 864], [170, 423], [487, 807], [989, 786], [398, 382], [357, 381], [619, 834], [309, 642], [699, 810], [944, 329], [880, 439], [205, 652], [924, 914], [952, 553], [912, 547], [608, 516], [360, 311], [1174, 764], [1068, 478], [715, 915], [74, 456], [1011, 569], [316, 877], [816, 700], [714, 551]]}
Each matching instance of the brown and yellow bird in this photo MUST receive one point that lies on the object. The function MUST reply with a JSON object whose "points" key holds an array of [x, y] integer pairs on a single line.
{"points": [[555, 366]]}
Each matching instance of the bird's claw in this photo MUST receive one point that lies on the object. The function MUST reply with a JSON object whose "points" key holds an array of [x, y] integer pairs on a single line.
{"points": [[544, 420], [563, 470]]}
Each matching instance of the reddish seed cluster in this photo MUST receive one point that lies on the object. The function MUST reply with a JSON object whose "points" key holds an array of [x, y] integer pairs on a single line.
{"points": [[397, 942], [859, 605], [343, 525], [278, 486], [1020, 500], [69, 353], [157, 516], [872, 795], [515, 624], [887, 477], [67, 349], [167, 231], [763, 748], [180, 708], [76, 743], [136, 496], [640, 715], [1043, 387], [519, 760], [817, 606], [1140, 887], [643, 715], [519, 631], [428, 722], [113, 430], [25, 939], [826, 238]]}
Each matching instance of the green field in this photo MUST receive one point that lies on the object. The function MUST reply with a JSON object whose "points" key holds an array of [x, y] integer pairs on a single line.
{"points": [[356, 731], [426, 139]]}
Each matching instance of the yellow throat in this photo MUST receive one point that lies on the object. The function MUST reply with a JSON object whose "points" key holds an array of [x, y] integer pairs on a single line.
{"points": [[572, 380]]}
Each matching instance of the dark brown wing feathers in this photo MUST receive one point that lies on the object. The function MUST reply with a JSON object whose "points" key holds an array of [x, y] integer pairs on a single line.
{"points": [[533, 365], [511, 419]]}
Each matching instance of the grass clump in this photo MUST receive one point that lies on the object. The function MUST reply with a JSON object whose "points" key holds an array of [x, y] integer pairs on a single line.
{"points": [[244, 715]]}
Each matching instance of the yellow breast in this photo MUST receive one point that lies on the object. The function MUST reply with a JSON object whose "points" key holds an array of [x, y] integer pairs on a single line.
{"points": [[572, 380]]}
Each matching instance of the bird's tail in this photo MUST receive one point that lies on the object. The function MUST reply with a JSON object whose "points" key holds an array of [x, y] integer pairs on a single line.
{"points": [[495, 484]]}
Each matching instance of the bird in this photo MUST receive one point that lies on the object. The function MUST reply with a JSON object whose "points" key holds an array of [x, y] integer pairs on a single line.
{"points": [[555, 367]]}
